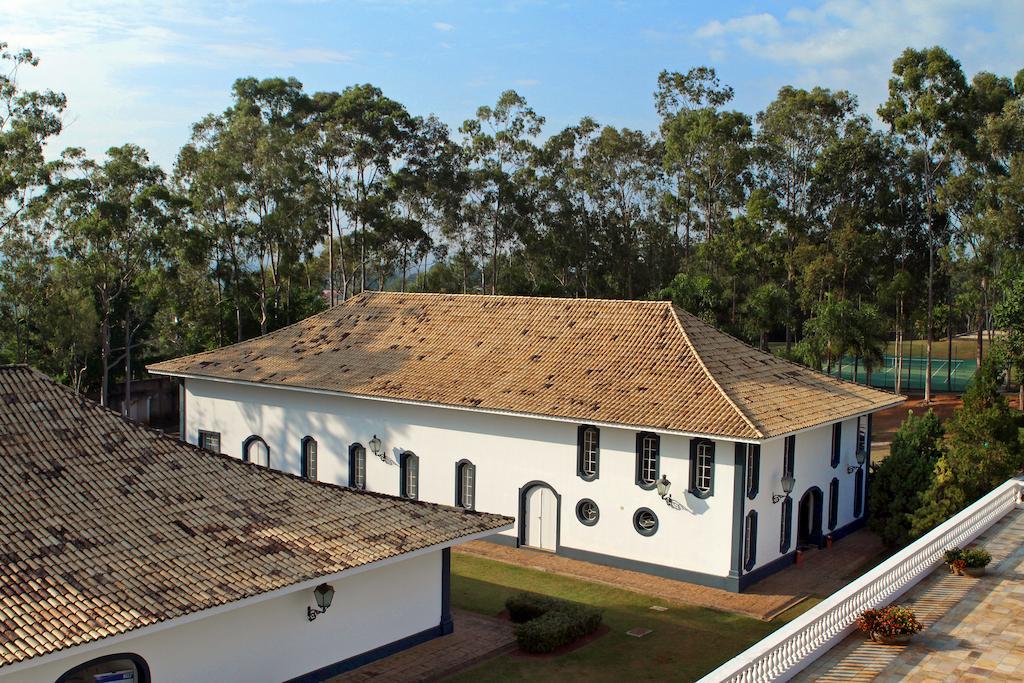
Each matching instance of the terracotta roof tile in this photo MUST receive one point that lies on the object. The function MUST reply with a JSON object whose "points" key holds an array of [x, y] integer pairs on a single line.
{"points": [[639, 363], [107, 526]]}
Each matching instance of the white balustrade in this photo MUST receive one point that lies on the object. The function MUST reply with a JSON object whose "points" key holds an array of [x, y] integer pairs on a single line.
{"points": [[789, 650]]}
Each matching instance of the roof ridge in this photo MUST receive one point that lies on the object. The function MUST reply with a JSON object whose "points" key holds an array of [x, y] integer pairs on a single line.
{"points": [[506, 296], [700, 361]]}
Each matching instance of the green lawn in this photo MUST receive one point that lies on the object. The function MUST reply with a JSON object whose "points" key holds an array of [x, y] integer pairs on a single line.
{"points": [[686, 642]]}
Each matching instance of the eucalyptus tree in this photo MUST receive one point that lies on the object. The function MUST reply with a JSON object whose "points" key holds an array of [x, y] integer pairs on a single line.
{"points": [[499, 146], [619, 173], [927, 95], [710, 149], [113, 215]]}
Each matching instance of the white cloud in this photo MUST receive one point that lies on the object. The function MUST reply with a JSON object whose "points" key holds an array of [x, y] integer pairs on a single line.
{"points": [[442, 26], [851, 44], [526, 82]]}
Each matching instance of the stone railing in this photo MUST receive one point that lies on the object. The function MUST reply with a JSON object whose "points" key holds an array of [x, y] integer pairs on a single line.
{"points": [[787, 651]]}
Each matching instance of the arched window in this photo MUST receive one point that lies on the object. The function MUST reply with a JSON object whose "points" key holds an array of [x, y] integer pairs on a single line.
{"points": [[648, 454], [833, 504], [256, 451], [750, 540], [357, 466], [837, 443], [465, 484], [702, 467], [588, 449], [786, 532], [410, 473], [121, 667], [858, 492], [308, 464], [751, 454], [645, 522]]}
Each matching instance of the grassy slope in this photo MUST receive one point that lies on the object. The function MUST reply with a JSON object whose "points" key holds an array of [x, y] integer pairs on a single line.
{"points": [[686, 642]]}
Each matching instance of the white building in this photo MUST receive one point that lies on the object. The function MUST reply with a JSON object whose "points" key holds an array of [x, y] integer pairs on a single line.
{"points": [[126, 555], [563, 413]]}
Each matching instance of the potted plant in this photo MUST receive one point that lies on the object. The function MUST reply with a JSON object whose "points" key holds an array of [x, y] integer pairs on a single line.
{"points": [[975, 560], [892, 625], [954, 560]]}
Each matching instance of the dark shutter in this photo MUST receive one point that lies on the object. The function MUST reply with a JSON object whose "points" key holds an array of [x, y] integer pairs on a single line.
{"points": [[750, 541], [858, 492], [788, 466], [837, 441], [751, 467], [833, 504]]}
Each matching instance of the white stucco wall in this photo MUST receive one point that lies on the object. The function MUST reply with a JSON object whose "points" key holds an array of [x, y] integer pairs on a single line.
{"points": [[812, 467], [508, 451], [273, 641]]}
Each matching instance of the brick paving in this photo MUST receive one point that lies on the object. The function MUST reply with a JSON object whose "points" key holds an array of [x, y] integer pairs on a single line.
{"points": [[974, 628], [820, 574], [475, 638]]}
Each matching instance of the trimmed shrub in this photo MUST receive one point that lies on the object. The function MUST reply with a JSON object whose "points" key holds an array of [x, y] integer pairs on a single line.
{"points": [[975, 558], [562, 625], [545, 624], [523, 607]]}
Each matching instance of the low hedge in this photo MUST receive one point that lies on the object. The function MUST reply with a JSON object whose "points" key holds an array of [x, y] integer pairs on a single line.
{"points": [[545, 624], [523, 607]]}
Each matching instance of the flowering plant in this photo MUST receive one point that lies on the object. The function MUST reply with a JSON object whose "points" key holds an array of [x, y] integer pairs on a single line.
{"points": [[890, 621], [957, 565], [975, 557]]}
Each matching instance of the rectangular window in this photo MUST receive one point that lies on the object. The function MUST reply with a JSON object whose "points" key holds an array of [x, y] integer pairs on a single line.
{"points": [[837, 443], [862, 434], [589, 445], [705, 466], [753, 468], [467, 485], [649, 459], [210, 441], [309, 458], [359, 467], [410, 476], [789, 456]]}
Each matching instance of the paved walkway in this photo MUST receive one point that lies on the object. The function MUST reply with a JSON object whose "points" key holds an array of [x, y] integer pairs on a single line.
{"points": [[821, 574], [475, 638], [974, 628]]}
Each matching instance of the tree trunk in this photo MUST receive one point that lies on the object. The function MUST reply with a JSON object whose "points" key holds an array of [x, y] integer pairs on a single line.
{"points": [[126, 407], [105, 351]]}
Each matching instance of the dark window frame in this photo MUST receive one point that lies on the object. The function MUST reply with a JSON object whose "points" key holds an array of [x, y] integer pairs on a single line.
{"points": [[648, 532], [460, 491], [863, 434], [581, 452], [204, 435], [641, 438], [356, 455], [695, 446], [786, 526], [410, 467], [750, 540], [833, 503], [837, 444], [247, 444], [140, 664], [751, 459], [582, 519], [307, 464]]}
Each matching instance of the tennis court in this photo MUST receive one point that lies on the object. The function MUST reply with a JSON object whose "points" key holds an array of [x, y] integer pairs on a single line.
{"points": [[947, 375]]}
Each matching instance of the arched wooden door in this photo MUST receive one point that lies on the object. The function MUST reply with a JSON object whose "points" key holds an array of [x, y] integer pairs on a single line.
{"points": [[808, 530], [540, 510]]}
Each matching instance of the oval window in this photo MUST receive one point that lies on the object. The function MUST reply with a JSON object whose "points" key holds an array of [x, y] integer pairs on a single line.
{"points": [[587, 512]]}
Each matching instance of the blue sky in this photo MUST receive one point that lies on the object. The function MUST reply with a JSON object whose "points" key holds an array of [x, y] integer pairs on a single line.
{"points": [[143, 72]]}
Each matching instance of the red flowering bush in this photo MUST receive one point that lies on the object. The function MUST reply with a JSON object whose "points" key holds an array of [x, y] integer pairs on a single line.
{"points": [[890, 621]]}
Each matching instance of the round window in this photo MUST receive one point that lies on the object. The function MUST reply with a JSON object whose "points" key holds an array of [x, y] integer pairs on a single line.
{"points": [[587, 512], [645, 522]]}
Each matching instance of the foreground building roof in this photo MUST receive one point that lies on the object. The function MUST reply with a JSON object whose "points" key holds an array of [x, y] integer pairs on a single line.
{"points": [[107, 526], [638, 363]]}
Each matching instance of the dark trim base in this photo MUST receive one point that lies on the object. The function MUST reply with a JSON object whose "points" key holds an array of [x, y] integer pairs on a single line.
{"points": [[755, 575], [323, 673], [690, 576], [502, 539], [842, 531]]}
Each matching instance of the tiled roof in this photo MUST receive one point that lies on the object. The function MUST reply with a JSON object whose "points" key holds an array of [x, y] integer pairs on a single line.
{"points": [[107, 526], [639, 363]]}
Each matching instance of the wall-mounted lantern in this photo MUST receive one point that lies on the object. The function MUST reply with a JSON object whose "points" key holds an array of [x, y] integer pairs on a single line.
{"points": [[377, 448], [788, 482], [324, 594], [664, 486], [862, 457]]}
